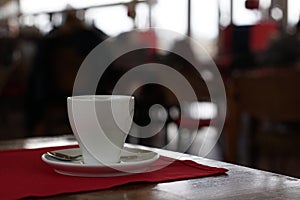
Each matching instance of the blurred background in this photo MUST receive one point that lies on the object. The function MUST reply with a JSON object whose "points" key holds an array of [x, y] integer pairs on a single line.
{"points": [[254, 43]]}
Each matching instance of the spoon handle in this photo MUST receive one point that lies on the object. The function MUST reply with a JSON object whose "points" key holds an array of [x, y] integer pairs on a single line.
{"points": [[65, 157], [62, 156]]}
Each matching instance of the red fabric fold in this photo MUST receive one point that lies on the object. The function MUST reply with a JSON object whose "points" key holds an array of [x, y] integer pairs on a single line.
{"points": [[24, 174]]}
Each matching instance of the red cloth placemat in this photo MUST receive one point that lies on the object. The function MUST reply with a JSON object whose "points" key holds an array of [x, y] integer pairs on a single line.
{"points": [[24, 174]]}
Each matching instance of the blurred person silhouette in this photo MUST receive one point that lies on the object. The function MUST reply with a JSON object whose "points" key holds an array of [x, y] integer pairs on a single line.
{"points": [[146, 95], [59, 56], [284, 50]]}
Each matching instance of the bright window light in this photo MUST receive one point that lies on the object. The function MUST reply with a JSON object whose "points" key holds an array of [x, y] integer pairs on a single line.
{"points": [[293, 11], [111, 25]]}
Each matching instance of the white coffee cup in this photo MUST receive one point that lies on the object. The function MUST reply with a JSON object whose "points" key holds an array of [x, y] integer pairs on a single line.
{"points": [[100, 124]]}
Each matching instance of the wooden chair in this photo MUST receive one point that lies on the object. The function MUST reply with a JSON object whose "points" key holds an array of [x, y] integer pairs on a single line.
{"points": [[271, 99]]}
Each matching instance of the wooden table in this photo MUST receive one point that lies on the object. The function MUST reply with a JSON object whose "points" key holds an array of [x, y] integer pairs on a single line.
{"points": [[239, 183]]}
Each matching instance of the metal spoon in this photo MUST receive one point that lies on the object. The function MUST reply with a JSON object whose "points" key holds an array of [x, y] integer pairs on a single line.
{"points": [[63, 157]]}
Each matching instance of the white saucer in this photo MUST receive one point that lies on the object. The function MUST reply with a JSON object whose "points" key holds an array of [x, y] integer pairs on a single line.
{"points": [[132, 161]]}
